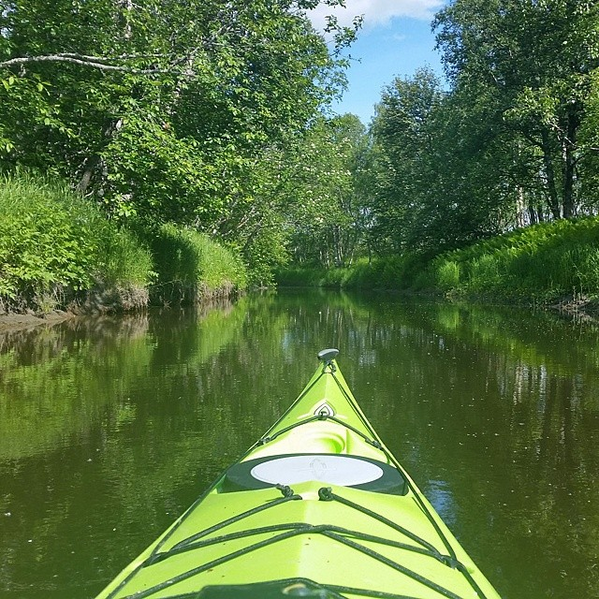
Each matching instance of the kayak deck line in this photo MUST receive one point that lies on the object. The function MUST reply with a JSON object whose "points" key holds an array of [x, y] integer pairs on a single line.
{"points": [[373, 440], [447, 560], [339, 534], [347, 502], [303, 528], [380, 445], [299, 584], [322, 418], [156, 551], [325, 494]]}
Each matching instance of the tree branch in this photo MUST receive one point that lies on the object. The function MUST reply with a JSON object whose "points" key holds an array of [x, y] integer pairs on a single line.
{"points": [[110, 58], [95, 62]]}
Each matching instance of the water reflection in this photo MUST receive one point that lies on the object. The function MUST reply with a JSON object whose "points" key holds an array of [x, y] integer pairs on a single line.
{"points": [[109, 428], [56, 381]]}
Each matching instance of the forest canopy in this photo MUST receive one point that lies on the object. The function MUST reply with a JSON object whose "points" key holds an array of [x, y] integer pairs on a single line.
{"points": [[506, 140]]}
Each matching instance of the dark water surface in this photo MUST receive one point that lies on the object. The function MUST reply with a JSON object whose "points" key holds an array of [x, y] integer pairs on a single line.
{"points": [[109, 428]]}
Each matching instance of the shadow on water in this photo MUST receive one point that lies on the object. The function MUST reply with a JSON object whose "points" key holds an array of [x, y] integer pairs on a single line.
{"points": [[109, 428]]}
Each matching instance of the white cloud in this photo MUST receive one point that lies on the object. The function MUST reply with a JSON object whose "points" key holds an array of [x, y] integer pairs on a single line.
{"points": [[376, 12]]}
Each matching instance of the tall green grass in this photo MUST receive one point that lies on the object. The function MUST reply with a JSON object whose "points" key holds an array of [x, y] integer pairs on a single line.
{"points": [[55, 246], [191, 267], [544, 261]]}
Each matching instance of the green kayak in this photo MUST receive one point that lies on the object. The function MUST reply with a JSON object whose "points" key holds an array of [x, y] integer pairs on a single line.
{"points": [[318, 507]]}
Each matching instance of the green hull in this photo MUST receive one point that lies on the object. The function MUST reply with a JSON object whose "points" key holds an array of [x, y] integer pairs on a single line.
{"points": [[318, 507]]}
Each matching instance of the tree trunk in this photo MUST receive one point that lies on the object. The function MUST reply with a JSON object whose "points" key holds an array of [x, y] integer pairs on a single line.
{"points": [[570, 164], [552, 195]]}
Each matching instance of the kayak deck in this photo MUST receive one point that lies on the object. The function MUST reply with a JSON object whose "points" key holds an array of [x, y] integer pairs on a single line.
{"points": [[342, 520]]}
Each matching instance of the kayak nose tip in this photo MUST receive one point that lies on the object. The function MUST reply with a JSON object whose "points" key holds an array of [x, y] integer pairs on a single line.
{"points": [[328, 355]]}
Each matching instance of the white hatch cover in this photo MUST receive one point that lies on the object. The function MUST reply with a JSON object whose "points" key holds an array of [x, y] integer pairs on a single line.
{"points": [[333, 469]]}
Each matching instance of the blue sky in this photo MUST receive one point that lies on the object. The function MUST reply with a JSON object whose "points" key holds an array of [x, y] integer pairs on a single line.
{"points": [[395, 40]]}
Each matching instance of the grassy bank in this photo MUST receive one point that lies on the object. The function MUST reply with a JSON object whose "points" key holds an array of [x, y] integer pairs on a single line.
{"points": [[543, 263], [59, 251], [397, 272], [191, 267]]}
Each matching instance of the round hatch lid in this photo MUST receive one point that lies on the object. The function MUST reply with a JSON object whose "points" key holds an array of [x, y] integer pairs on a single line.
{"points": [[333, 469]]}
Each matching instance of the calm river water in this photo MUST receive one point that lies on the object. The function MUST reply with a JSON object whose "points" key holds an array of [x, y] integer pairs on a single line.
{"points": [[109, 428]]}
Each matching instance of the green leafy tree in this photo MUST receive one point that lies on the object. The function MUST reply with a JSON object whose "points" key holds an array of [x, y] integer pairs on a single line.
{"points": [[531, 62], [325, 209], [403, 141], [441, 175]]}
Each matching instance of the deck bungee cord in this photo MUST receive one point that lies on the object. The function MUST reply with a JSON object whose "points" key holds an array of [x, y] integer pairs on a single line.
{"points": [[342, 535]]}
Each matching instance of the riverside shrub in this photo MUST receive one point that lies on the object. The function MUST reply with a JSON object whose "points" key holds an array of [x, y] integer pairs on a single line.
{"points": [[55, 245]]}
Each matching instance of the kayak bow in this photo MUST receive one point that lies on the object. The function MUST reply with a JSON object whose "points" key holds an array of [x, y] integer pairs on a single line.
{"points": [[318, 507]]}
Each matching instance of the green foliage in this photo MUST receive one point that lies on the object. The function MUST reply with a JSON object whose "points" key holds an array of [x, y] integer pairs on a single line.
{"points": [[191, 266], [402, 161], [160, 167], [313, 276], [511, 142], [531, 65], [123, 260], [543, 262], [266, 252], [400, 272], [448, 275], [54, 243]]}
